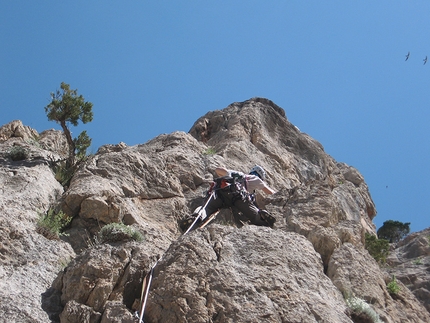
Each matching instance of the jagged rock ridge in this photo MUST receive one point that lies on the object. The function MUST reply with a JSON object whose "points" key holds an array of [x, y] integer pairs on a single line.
{"points": [[296, 272]]}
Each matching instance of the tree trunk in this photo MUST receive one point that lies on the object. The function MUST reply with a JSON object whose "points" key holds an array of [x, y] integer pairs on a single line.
{"points": [[71, 159]]}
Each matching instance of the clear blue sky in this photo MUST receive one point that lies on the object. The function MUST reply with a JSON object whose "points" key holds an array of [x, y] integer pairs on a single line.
{"points": [[337, 68]]}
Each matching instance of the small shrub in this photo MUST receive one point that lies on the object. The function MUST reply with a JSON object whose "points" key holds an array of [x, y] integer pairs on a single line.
{"points": [[114, 232], [17, 153], [34, 142], [393, 287], [418, 261], [361, 311], [210, 151], [51, 224], [378, 248]]}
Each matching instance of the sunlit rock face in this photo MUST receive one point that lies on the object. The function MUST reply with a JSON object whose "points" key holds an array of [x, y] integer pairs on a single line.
{"points": [[299, 271]]}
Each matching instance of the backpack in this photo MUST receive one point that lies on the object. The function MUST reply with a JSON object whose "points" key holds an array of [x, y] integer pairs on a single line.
{"points": [[234, 183]]}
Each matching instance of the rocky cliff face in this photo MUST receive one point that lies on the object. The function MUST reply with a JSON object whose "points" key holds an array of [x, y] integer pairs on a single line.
{"points": [[299, 271], [29, 261], [409, 262]]}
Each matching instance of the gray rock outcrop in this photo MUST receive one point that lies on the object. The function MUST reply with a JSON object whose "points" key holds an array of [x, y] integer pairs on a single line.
{"points": [[29, 261], [299, 271], [208, 277], [409, 262]]}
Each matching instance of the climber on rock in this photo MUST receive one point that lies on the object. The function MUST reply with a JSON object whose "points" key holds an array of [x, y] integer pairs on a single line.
{"points": [[235, 190]]}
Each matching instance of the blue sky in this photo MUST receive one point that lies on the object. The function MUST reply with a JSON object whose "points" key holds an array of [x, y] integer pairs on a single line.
{"points": [[337, 68]]}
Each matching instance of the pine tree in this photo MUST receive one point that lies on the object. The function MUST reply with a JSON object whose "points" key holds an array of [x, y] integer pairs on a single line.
{"points": [[67, 108], [393, 231]]}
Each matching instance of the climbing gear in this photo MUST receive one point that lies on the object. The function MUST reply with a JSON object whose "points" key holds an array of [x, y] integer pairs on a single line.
{"points": [[227, 188], [198, 217], [230, 188], [234, 183], [145, 290], [201, 215], [258, 171]]}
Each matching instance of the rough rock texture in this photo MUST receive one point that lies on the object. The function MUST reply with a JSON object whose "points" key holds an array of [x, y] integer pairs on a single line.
{"points": [[346, 271], [104, 279], [326, 201], [409, 262], [252, 274], [29, 261], [16, 129], [297, 272]]}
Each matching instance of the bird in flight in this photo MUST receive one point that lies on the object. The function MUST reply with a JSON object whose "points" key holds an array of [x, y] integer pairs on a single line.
{"points": [[407, 56], [425, 60]]}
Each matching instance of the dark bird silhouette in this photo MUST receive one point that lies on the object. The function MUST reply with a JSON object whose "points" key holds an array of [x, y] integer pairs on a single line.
{"points": [[407, 56], [425, 60]]}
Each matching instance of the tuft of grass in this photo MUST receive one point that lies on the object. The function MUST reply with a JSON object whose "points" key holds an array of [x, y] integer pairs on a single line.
{"points": [[361, 310], [114, 232], [51, 224], [17, 153], [392, 287]]}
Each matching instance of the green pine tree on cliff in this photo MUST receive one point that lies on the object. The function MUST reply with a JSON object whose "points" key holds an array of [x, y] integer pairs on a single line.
{"points": [[393, 231], [67, 108]]}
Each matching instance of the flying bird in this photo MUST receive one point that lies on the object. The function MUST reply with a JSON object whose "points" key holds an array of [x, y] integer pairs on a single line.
{"points": [[425, 60], [407, 56]]}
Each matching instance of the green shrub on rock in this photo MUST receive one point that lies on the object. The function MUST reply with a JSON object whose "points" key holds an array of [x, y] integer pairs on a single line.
{"points": [[361, 311], [378, 248], [17, 153], [51, 224], [115, 232], [393, 287]]}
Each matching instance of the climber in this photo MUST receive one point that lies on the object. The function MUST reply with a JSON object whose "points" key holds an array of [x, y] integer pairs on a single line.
{"points": [[235, 190]]}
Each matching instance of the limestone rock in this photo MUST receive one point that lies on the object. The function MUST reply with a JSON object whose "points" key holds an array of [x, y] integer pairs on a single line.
{"points": [[252, 274], [29, 261], [295, 272], [16, 129], [116, 312], [54, 141], [369, 282], [151, 185], [76, 312], [409, 262], [106, 273], [316, 194]]}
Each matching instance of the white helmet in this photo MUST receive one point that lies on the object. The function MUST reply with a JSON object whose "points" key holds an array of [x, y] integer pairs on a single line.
{"points": [[259, 171]]}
